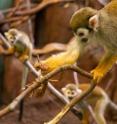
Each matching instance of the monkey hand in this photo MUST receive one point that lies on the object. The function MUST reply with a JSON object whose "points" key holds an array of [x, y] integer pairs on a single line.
{"points": [[98, 73], [41, 65], [104, 66]]}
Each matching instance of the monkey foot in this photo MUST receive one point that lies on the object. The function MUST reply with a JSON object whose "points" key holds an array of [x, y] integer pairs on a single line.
{"points": [[98, 73]]}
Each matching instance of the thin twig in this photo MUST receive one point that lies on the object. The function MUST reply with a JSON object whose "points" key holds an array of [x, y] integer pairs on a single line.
{"points": [[29, 12], [20, 8], [21, 21], [30, 26], [40, 6], [13, 19], [11, 13]]}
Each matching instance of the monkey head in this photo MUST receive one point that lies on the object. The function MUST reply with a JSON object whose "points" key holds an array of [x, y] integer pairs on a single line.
{"points": [[70, 91], [81, 18], [11, 35]]}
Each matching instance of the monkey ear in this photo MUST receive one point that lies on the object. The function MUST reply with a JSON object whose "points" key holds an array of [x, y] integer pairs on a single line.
{"points": [[63, 89], [94, 22]]}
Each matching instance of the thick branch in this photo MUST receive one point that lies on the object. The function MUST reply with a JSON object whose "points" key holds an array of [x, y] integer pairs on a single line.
{"points": [[36, 84]]}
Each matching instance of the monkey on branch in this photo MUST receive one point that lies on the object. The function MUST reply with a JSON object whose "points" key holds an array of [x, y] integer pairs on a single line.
{"points": [[102, 28]]}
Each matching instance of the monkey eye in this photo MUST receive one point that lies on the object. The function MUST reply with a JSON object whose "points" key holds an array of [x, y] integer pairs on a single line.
{"points": [[80, 33], [72, 93]]}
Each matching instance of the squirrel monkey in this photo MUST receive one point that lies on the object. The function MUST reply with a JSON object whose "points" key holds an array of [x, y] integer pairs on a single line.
{"points": [[70, 56], [102, 26], [20, 44], [22, 47], [98, 99]]}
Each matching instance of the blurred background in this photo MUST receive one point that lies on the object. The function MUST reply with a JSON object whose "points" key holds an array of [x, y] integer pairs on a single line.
{"points": [[47, 24]]}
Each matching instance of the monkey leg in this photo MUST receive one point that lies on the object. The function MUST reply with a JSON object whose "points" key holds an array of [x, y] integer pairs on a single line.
{"points": [[24, 56], [85, 119], [104, 66], [99, 110]]}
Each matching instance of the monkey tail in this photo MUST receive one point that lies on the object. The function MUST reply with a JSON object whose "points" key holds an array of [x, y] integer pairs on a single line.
{"points": [[21, 108], [23, 83]]}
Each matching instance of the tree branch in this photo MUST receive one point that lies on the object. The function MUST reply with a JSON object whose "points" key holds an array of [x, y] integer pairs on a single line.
{"points": [[20, 14], [38, 83], [39, 7]]}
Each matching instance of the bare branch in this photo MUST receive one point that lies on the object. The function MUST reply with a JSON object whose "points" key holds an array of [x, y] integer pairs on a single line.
{"points": [[18, 15], [38, 83], [40, 6]]}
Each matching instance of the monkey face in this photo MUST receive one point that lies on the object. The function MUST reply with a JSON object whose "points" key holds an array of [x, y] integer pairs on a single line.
{"points": [[83, 34], [70, 91], [11, 35]]}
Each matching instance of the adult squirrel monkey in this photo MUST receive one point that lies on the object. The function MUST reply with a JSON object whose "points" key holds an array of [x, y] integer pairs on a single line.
{"points": [[75, 48], [102, 26], [98, 99]]}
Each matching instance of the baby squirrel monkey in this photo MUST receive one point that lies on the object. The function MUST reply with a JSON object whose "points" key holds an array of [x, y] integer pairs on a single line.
{"points": [[102, 26], [98, 99], [20, 44], [22, 47]]}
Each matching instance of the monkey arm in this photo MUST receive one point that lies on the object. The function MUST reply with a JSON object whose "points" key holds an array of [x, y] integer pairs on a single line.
{"points": [[25, 55], [58, 60], [10, 51], [68, 57], [104, 66]]}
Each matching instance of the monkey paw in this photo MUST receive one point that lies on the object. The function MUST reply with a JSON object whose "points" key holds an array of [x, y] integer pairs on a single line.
{"points": [[23, 58], [97, 74], [42, 66]]}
